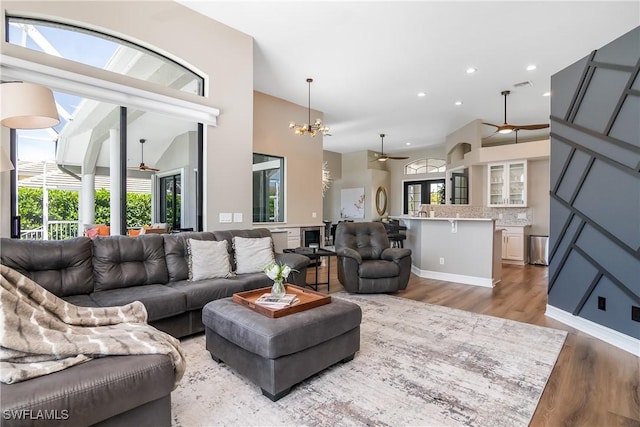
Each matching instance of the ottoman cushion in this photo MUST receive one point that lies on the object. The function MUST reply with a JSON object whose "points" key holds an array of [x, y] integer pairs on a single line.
{"points": [[273, 338]]}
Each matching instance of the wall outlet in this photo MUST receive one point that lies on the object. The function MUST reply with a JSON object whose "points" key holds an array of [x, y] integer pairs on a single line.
{"points": [[441, 261], [635, 313], [225, 217], [314, 215], [602, 303], [237, 217], [499, 216], [522, 216]]}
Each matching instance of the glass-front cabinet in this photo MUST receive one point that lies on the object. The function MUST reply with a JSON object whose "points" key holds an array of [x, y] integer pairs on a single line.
{"points": [[507, 184]]}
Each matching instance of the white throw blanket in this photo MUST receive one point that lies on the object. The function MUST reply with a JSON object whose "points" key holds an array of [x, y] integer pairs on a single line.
{"points": [[40, 333]]}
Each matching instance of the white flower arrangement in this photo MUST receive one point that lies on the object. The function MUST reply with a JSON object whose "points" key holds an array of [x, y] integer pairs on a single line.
{"points": [[277, 272]]}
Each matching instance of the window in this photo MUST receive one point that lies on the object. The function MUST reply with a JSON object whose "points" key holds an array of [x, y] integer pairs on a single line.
{"points": [[170, 200], [67, 176], [102, 51], [426, 192], [460, 188], [425, 166], [268, 188]]}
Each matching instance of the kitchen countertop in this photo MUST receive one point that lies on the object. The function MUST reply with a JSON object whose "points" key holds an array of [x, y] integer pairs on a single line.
{"points": [[439, 218]]}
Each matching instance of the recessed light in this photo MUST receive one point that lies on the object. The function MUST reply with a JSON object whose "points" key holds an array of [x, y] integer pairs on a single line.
{"points": [[531, 67], [471, 70], [458, 102], [546, 94], [407, 143], [421, 94]]}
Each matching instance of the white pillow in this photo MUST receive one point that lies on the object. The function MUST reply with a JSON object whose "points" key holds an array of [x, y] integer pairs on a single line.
{"points": [[253, 254], [208, 259]]}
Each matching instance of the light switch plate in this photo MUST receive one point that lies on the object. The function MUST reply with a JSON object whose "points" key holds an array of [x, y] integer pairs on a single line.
{"points": [[225, 217], [237, 217]]}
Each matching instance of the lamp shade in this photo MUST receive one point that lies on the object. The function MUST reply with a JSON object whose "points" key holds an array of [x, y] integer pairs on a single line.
{"points": [[5, 162], [27, 106]]}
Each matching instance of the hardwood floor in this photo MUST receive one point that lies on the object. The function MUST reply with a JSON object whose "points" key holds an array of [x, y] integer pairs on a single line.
{"points": [[592, 384]]}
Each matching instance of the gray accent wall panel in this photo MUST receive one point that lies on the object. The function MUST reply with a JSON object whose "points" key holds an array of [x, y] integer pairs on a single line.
{"points": [[628, 119], [616, 312], [601, 98], [594, 225], [566, 84], [617, 52]]}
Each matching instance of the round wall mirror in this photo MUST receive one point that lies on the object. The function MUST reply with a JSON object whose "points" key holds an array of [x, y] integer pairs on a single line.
{"points": [[381, 201]]}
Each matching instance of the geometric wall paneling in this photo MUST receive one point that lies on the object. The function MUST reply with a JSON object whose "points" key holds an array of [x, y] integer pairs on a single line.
{"points": [[617, 311], [578, 271], [594, 230], [605, 203], [628, 118], [566, 84], [601, 98], [610, 257], [620, 51]]}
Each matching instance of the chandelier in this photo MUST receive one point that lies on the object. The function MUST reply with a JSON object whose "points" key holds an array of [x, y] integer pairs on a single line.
{"points": [[312, 129]]}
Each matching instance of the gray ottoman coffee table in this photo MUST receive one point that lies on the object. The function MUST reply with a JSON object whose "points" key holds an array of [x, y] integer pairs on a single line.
{"points": [[277, 354]]}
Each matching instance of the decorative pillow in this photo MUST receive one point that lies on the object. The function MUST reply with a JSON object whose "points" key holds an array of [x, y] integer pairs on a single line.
{"points": [[253, 254], [208, 259]]}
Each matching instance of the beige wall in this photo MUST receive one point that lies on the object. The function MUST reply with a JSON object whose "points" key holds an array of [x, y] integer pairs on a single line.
{"points": [[397, 176], [331, 200], [538, 198], [223, 54], [302, 153]]}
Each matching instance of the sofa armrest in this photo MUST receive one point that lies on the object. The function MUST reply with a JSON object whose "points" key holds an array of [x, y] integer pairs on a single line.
{"points": [[350, 253], [295, 261], [299, 265], [395, 254]]}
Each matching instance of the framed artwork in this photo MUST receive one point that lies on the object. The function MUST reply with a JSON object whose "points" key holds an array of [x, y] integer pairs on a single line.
{"points": [[352, 203]]}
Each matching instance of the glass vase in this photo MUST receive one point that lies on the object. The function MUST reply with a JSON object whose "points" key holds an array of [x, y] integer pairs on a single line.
{"points": [[278, 290]]}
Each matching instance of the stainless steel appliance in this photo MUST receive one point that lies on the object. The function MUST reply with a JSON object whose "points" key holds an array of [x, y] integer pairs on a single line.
{"points": [[539, 250]]}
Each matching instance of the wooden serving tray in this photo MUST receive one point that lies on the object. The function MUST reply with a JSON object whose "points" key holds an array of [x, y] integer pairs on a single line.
{"points": [[308, 299]]}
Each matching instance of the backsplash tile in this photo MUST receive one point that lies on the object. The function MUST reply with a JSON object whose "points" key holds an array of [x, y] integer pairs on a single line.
{"points": [[510, 216]]}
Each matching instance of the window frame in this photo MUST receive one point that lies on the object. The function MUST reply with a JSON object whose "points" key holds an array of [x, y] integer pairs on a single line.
{"points": [[257, 215], [425, 192], [75, 78]]}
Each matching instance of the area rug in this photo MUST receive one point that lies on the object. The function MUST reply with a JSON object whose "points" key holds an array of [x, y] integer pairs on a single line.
{"points": [[418, 365]]}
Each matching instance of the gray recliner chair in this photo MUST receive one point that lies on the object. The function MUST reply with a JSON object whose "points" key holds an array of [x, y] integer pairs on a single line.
{"points": [[366, 262]]}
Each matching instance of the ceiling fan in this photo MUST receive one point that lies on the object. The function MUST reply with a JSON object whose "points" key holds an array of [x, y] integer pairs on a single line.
{"points": [[142, 166], [381, 157], [507, 128]]}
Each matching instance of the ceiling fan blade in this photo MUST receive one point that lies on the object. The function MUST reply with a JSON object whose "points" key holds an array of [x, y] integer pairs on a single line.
{"points": [[143, 167], [491, 124], [531, 127], [397, 158]]}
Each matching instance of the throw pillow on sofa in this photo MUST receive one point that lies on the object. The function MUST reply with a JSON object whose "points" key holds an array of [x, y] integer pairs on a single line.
{"points": [[208, 259], [253, 254]]}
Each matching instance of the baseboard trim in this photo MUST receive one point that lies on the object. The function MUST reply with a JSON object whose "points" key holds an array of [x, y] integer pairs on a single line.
{"points": [[458, 278], [608, 335]]}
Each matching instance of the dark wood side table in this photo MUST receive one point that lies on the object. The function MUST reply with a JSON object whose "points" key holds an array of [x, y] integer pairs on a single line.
{"points": [[316, 255]]}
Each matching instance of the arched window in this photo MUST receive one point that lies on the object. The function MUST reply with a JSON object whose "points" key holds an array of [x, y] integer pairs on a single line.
{"points": [[102, 51], [122, 156], [425, 166]]}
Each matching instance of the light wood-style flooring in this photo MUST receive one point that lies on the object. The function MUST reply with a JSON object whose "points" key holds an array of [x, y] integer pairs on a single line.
{"points": [[592, 384]]}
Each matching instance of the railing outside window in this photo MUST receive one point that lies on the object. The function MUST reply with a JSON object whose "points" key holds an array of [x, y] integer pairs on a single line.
{"points": [[55, 230]]}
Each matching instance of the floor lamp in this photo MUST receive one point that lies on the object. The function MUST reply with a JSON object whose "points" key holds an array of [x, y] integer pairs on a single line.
{"points": [[25, 106]]}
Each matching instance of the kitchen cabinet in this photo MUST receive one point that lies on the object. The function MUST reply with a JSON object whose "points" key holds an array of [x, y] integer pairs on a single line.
{"points": [[514, 244], [293, 237], [507, 184]]}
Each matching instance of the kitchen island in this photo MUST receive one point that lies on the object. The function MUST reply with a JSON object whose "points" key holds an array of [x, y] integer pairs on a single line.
{"points": [[463, 250]]}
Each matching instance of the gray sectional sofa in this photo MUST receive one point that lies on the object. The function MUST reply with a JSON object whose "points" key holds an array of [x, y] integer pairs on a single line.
{"points": [[110, 271]]}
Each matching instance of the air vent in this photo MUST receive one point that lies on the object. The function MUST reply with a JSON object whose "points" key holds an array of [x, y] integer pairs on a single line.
{"points": [[528, 83]]}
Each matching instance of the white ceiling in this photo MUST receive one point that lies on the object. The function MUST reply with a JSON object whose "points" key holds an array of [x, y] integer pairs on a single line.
{"points": [[369, 60]]}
